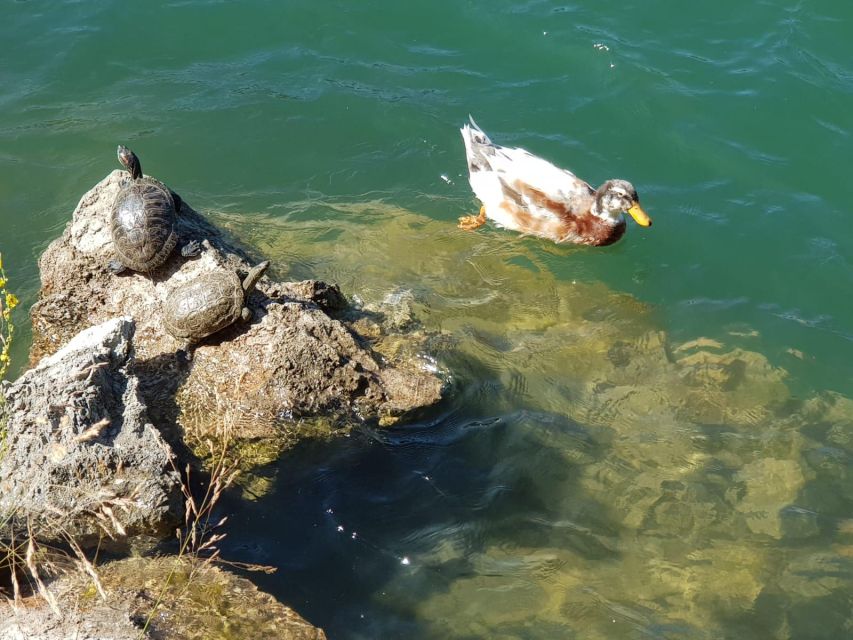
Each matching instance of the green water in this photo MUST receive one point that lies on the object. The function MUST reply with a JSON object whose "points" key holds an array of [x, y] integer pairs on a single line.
{"points": [[648, 440]]}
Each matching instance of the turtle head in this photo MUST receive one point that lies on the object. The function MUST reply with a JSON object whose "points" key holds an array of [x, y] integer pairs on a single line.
{"points": [[254, 275], [129, 161]]}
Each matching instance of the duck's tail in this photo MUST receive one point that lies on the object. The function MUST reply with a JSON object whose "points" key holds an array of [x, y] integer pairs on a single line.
{"points": [[477, 146]]}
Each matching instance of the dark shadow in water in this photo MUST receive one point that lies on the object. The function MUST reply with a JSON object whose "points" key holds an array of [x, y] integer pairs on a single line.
{"points": [[356, 526]]}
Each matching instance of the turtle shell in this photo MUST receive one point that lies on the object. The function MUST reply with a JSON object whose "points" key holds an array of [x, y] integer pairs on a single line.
{"points": [[204, 305], [143, 224]]}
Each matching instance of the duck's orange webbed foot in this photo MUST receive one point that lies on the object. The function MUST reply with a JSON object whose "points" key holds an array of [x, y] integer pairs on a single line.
{"points": [[469, 223]]}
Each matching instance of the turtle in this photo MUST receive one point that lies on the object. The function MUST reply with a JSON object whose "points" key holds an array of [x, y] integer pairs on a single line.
{"points": [[209, 303], [142, 221]]}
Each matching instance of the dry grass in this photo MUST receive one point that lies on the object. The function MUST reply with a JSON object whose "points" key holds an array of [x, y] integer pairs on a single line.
{"points": [[30, 564], [201, 532], [26, 559]]}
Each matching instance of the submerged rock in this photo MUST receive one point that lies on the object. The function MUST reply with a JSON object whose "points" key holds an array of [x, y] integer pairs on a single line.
{"points": [[647, 486], [293, 359], [177, 599], [763, 490], [80, 455]]}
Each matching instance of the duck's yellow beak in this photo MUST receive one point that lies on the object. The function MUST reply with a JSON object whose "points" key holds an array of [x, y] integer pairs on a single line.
{"points": [[640, 217]]}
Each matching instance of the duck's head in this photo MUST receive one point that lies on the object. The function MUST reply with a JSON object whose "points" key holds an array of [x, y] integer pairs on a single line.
{"points": [[616, 197]]}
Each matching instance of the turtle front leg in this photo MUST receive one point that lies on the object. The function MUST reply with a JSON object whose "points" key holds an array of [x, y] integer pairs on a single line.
{"points": [[116, 267], [191, 249], [186, 352], [469, 223]]}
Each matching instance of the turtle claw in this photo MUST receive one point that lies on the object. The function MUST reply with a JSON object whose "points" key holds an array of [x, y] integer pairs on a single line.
{"points": [[115, 267], [191, 249]]}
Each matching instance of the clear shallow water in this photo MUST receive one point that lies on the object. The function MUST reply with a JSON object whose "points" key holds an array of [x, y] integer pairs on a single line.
{"points": [[589, 476]]}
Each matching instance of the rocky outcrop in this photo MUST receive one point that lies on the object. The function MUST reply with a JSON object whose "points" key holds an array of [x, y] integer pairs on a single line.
{"points": [[148, 598], [293, 359], [80, 457]]}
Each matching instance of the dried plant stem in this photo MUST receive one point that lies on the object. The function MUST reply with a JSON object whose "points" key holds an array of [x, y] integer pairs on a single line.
{"points": [[198, 538], [34, 572]]}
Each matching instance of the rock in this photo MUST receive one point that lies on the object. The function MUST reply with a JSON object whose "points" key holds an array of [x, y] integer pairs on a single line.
{"points": [[216, 605], [395, 309], [770, 486], [833, 410], [81, 456], [292, 360], [799, 523]]}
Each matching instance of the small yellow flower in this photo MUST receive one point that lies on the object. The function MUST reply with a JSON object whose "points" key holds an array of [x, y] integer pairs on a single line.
{"points": [[2, 283], [11, 300]]}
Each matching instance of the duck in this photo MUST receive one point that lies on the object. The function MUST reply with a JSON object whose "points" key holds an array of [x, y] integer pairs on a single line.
{"points": [[525, 193]]}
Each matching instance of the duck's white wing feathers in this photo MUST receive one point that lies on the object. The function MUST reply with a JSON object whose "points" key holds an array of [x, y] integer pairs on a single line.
{"points": [[495, 171], [529, 174]]}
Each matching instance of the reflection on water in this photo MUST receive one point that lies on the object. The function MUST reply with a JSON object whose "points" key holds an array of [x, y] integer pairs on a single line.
{"points": [[588, 478]]}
